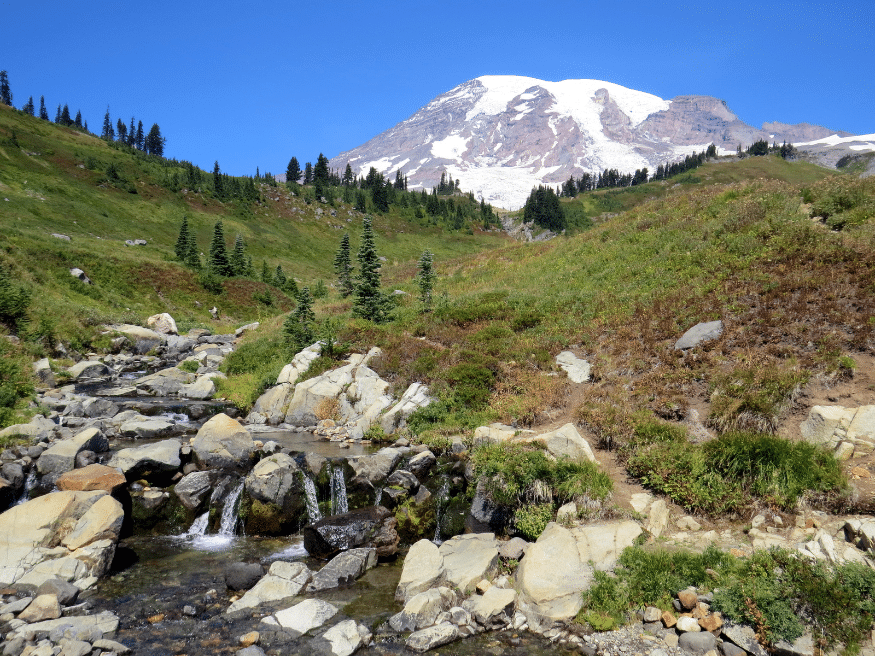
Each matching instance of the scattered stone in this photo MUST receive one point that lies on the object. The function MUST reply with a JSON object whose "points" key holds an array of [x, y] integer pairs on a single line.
{"points": [[159, 457], [701, 332], [242, 576], [283, 581], [688, 598], [344, 638], [433, 636], [43, 607], [697, 643], [303, 617], [689, 624], [163, 324], [343, 569], [469, 558], [578, 370]]}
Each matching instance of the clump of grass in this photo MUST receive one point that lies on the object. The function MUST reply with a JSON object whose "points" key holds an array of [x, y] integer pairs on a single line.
{"points": [[191, 366], [753, 397], [16, 381], [734, 472]]}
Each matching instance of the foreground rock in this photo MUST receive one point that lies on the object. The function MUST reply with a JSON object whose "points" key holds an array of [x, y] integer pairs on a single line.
{"points": [[847, 432], [283, 581], [223, 443], [578, 369], [61, 456], [160, 458], [85, 527], [701, 332]]}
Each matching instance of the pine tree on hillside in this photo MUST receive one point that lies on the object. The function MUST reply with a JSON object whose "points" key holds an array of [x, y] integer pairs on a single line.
{"points": [[425, 278], [321, 174], [380, 197], [348, 177], [238, 257], [108, 133], [78, 121], [140, 140], [58, 114], [343, 267], [5, 92], [132, 133], [192, 252], [43, 114], [122, 131], [266, 278], [369, 301], [279, 277], [181, 247], [218, 182], [65, 116], [154, 143], [219, 263], [298, 327], [308, 173], [29, 107], [293, 171]]}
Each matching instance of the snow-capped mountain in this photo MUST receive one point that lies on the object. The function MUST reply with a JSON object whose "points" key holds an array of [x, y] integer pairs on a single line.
{"points": [[501, 135]]}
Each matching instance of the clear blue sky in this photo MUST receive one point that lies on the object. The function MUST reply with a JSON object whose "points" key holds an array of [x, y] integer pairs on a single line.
{"points": [[252, 84]]}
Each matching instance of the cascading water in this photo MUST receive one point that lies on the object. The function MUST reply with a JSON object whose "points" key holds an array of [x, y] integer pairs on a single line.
{"points": [[199, 526], [29, 484], [339, 502], [312, 499], [440, 502], [229, 512], [378, 496]]}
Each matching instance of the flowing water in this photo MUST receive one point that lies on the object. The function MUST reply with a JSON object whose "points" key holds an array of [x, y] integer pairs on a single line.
{"points": [[339, 502], [29, 484], [441, 498], [228, 523], [312, 499], [199, 526]]}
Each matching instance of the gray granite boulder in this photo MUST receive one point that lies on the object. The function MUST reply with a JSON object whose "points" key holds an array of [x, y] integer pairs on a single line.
{"points": [[344, 569], [160, 457], [223, 442], [61, 456], [701, 332]]}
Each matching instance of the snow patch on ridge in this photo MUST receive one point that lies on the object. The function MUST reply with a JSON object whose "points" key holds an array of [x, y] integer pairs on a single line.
{"points": [[451, 147]]}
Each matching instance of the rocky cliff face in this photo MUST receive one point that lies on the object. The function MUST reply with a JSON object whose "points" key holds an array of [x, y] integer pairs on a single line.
{"points": [[501, 135]]}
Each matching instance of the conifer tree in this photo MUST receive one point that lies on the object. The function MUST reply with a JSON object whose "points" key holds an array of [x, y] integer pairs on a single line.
{"points": [[154, 142], [140, 140], [266, 278], [321, 174], [250, 269], [238, 257], [78, 121], [65, 116], [43, 114], [293, 171], [308, 173], [219, 263], [298, 327], [279, 277], [5, 92], [181, 247], [58, 114], [28, 107], [108, 133], [348, 177], [122, 131], [425, 278], [192, 253], [132, 133], [218, 183], [343, 267], [369, 301]]}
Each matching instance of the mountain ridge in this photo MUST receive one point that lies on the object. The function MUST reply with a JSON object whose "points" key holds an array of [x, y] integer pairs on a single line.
{"points": [[502, 135]]}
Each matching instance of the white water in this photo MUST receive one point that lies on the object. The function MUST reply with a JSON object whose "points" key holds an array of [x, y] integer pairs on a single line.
{"points": [[339, 502], [229, 512], [29, 484], [312, 499], [199, 526], [378, 496]]}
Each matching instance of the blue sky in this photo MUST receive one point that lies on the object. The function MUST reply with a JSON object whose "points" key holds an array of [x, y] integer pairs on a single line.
{"points": [[254, 84]]}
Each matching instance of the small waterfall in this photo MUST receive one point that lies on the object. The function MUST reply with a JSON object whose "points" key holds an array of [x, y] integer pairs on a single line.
{"points": [[29, 484], [229, 512], [199, 526], [378, 496], [312, 499], [440, 503], [339, 502]]}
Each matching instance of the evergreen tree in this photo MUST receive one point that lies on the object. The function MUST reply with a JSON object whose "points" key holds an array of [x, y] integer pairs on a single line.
{"points": [[181, 247], [298, 327], [58, 114], [250, 269], [238, 257], [192, 253], [380, 196], [132, 133], [348, 177], [343, 267], [544, 208], [43, 114], [279, 277], [154, 143], [108, 133], [361, 201], [425, 278], [265, 273], [122, 131], [321, 174], [219, 263], [293, 171], [28, 107], [5, 92], [218, 182], [308, 173], [369, 302], [78, 121], [139, 142]]}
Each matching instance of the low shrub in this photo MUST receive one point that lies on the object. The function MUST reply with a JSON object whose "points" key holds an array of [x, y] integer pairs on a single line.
{"points": [[531, 520], [471, 383], [191, 366], [16, 382], [753, 397]]}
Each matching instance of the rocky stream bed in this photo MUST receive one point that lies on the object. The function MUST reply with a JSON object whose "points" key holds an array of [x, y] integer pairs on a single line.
{"points": [[145, 517]]}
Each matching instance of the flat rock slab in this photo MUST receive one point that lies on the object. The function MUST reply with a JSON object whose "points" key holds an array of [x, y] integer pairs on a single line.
{"points": [[701, 332], [343, 569], [92, 477], [578, 369], [283, 581], [105, 622], [493, 602], [61, 456], [423, 567], [433, 636], [160, 456], [303, 617]]}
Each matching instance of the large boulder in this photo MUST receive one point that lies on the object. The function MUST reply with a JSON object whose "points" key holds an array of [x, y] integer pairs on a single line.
{"points": [[61, 456], [374, 468], [92, 477], [222, 442], [423, 568], [83, 525], [194, 488], [495, 433], [146, 429], [468, 559], [37, 429], [163, 324], [143, 339], [368, 527], [433, 636], [848, 432], [202, 388], [413, 399], [299, 364], [422, 609], [701, 332], [89, 369], [566, 441], [345, 568], [578, 369], [270, 408], [158, 459], [303, 617], [273, 478], [283, 581], [42, 370], [166, 382]]}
